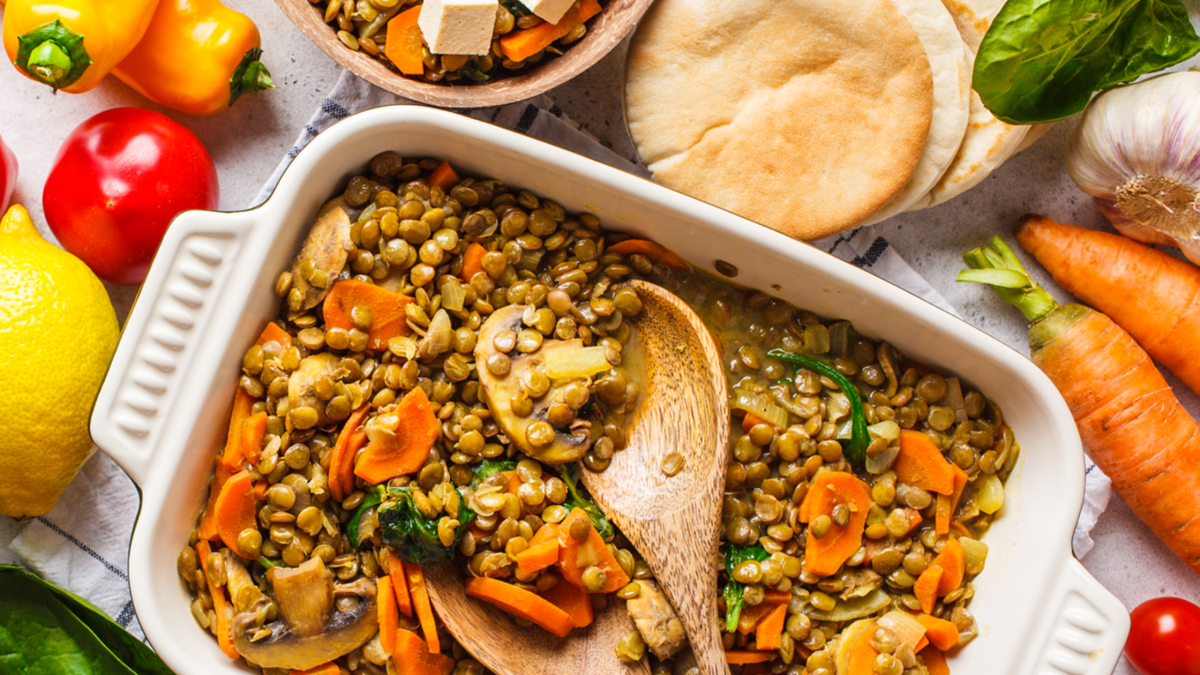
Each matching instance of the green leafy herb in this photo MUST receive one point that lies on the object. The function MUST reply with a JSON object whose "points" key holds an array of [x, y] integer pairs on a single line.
{"points": [[472, 73], [515, 8], [413, 536], [374, 498], [1041, 61], [488, 468], [249, 76], [45, 630], [267, 563], [734, 556], [576, 499], [860, 437]]}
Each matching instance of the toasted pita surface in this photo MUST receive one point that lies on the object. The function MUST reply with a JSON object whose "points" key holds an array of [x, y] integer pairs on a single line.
{"points": [[794, 114], [951, 100]]}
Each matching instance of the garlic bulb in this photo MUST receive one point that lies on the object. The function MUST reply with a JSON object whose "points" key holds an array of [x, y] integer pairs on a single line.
{"points": [[1136, 150]]}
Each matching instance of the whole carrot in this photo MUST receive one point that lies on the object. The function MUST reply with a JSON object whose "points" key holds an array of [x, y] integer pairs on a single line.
{"points": [[1132, 426], [1152, 295]]}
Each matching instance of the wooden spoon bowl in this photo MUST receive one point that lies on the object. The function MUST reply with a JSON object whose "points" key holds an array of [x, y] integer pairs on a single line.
{"points": [[604, 33], [674, 522]]}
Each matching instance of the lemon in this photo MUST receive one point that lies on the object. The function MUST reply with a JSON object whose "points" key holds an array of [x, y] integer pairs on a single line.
{"points": [[58, 332]]}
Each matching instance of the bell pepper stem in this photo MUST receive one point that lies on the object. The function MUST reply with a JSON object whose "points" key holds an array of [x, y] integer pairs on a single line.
{"points": [[49, 62], [53, 54], [250, 76]]}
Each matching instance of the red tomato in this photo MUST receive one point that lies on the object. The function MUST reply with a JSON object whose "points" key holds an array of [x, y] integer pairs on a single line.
{"points": [[118, 181], [1165, 637]]}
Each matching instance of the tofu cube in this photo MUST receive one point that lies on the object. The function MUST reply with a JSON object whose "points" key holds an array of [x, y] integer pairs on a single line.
{"points": [[462, 27], [549, 10]]}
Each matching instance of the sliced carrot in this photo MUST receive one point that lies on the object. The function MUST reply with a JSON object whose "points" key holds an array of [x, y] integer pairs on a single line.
{"points": [[389, 614], [962, 530], [235, 508], [330, 668], [395, 570], [260, 490], [388, 314], [653, 251], [862, 654], [769, 630], [522, 44], [254, 429], [421, 605], [921, 644], [753, 615], [576, 556], [274, 333], [404, 42], [825, 556], [921, 463], [444, 176], [208, 521], [408, 448], [926, 587], [520, 602], [357, 440], [941, 633], [472, 261], [952, 561], [741, 658], [414, 656], [221, 606], [573, 601], [750, 420], [914, 521], [243, 403], [946, 504], [539, 557], [935, 663], [341, 460]]}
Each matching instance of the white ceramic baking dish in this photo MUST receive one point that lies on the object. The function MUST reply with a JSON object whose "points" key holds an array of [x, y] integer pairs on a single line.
{"points": [[164, 407]]}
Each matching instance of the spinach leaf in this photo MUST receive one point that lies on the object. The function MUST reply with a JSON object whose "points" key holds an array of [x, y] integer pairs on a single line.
{"points": [[734, 556], [1042, 60], [374, 498], [415, 538], [45, 630], [577, 500], [490, 467]]}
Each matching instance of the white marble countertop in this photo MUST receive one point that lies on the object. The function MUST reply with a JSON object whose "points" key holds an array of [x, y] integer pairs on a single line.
{"points": [[247, 143]]}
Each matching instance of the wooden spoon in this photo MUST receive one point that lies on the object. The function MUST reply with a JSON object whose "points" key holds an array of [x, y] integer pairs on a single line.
{"points": [[674, 522]]}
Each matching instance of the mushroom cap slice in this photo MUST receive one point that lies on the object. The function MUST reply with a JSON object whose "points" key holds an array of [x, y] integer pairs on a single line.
{"points": [[304, 595], [325, 250], [568, 445], [302, 381], [284, 648], [656, 620]]}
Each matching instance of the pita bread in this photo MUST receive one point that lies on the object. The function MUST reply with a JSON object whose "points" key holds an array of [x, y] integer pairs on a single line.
{"points": [[951, 100], [988, 142], [793, 114]]}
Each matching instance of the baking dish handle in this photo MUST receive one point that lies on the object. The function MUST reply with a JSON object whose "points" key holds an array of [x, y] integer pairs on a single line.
{"points": [[1087, 631], [166, 338]]}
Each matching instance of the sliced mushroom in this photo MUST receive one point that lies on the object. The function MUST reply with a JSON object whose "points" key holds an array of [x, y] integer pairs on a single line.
{"points": [[321, 259], [656, 620], [499, 391], [242, 589], [302, 383], [298, 640]]}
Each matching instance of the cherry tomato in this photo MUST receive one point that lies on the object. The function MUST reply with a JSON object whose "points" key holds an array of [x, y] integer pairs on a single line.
{"points": [[118, 181], [8, 175], [1165, 637]]}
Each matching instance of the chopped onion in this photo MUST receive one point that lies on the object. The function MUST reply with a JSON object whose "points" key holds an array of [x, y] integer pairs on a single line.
{"points": [[781, 397], [954, 399], [453, 294], [974, 552], [905, 626], [882, 462], [759, 405], [837, 405], [839, 338], [531, 259], [888, 430], [852, 609], [440, 336], [564, 364], [990, 494]]}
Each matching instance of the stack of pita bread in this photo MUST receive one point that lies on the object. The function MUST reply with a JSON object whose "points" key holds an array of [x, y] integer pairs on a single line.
{"points": [[815, 116]]}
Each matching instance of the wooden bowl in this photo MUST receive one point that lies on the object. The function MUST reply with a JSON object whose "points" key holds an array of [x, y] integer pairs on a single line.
{"points": [[604, 32]]}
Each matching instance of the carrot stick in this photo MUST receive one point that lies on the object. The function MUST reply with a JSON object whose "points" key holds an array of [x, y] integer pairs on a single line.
{"points": [[926, 587], [341, 462], [330, 668], [770, 628], [421, 605], [235, 508], [774, 597], [413, 656], [941, 633], [444, 176], [653, 251], [753, 615], [404, 42], [221, 606], [406, 451], [208, 521], [389, 614], [750, 420], [522, 44], [1131, 424], [825, 556], [537, 558], [254, 428], [520, 602], [260, 489], [400, 585], [921, 463], [388, 316], [1151, 294], [935, 663], [739, 657], [573, 601], [946, 504], [921, 644], [357, 440], [276, 334], [472, 261], [576, 556], [242, 405]]}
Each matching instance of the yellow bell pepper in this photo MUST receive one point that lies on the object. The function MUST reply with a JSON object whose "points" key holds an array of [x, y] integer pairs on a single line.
{"points": [[197, 57], [72, 44]]}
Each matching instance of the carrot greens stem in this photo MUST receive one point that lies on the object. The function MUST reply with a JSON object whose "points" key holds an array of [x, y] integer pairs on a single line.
{"points": [[997, 266]]}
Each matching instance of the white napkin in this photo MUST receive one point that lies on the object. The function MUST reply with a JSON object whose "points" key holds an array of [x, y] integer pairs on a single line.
{"points": [[83, 544]]}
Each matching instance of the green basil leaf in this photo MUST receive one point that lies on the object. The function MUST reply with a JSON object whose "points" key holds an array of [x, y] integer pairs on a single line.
{"points": [[1042, 60]]}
